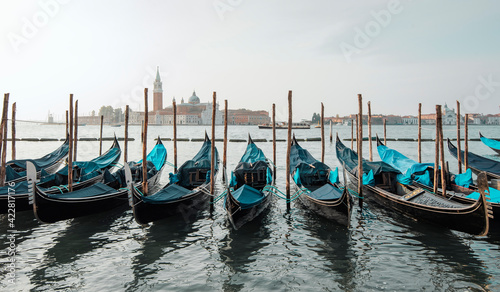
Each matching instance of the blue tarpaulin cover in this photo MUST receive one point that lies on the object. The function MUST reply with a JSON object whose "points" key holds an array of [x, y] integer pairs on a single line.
{"points": [[350, 160], [158, 155], [45, 161], [248, 196], [168, 194], [494, 195], [253, 154], [408, 167], [253, 161], [311, 171], [91, 191], [201, 161], [334, 176], [369, 178], [296, 177], [464, 179], [491, 143], [326, 192]]}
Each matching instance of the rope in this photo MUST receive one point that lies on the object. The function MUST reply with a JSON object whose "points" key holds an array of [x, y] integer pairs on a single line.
{"points": [[138, 191], [277, 192], [219, 197], [169, 164], [352, 192], [56, 187]]}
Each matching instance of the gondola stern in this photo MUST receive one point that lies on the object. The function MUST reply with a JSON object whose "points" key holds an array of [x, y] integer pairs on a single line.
{"points": [[483, 188], [250, 141]]}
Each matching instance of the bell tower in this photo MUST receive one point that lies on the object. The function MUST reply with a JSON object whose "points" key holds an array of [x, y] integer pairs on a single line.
{"points": [[157, 92]]}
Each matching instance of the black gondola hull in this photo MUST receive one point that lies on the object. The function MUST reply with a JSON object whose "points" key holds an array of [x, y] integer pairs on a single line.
{"points": [[188, 207], [472, 219], [239, 217], [22, 200], [50, 210], [335, 210]]}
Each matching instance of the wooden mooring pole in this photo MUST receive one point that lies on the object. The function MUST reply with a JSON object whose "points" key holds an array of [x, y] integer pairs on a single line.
{"points": [[359, 142], [3, 138], [274, 143], [212, 156], [145, 146], [174, 107], [436, 158], [466, 142], [459, 157], [441, 155], [419, 133], [75, 140], [288, 149], [13, 131], [224, 159], [125, 152], [70, 152], [370, 154], [322, 133]]}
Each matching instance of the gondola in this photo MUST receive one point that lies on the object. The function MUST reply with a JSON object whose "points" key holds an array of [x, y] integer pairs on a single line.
{"points": [[15, 170], [492, 143], [249, 193], [380, 185], [459, 187], [185, 194], [107, 194], [319, 188], [85, 173], [476, 162]]}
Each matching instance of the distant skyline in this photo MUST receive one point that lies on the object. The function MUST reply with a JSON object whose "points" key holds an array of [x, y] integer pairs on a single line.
{"points": [[395, 53]]}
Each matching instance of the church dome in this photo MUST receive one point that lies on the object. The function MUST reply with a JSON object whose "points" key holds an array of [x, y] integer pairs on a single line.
{"points": [[194, 99]]}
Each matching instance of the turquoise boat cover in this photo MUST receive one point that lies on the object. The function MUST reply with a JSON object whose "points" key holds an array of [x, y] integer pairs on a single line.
{"points": [[333, 177], [490, 142], [464, 179], [248, 196], [91, 191], [251, 168], [253, 154], [158, 155], [168, 194], [45, 161], [494, 195], [326, 192], [409, 168], [310, 170], [369, 178], [201, 162], [11, 174], [22, 186], [350, 159]]}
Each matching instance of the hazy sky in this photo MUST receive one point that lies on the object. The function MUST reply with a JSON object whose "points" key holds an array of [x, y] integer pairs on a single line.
{"points": [[395, 53]]}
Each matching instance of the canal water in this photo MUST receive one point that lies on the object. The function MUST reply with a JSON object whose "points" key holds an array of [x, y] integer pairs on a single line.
{"points": [[281, 251]]}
